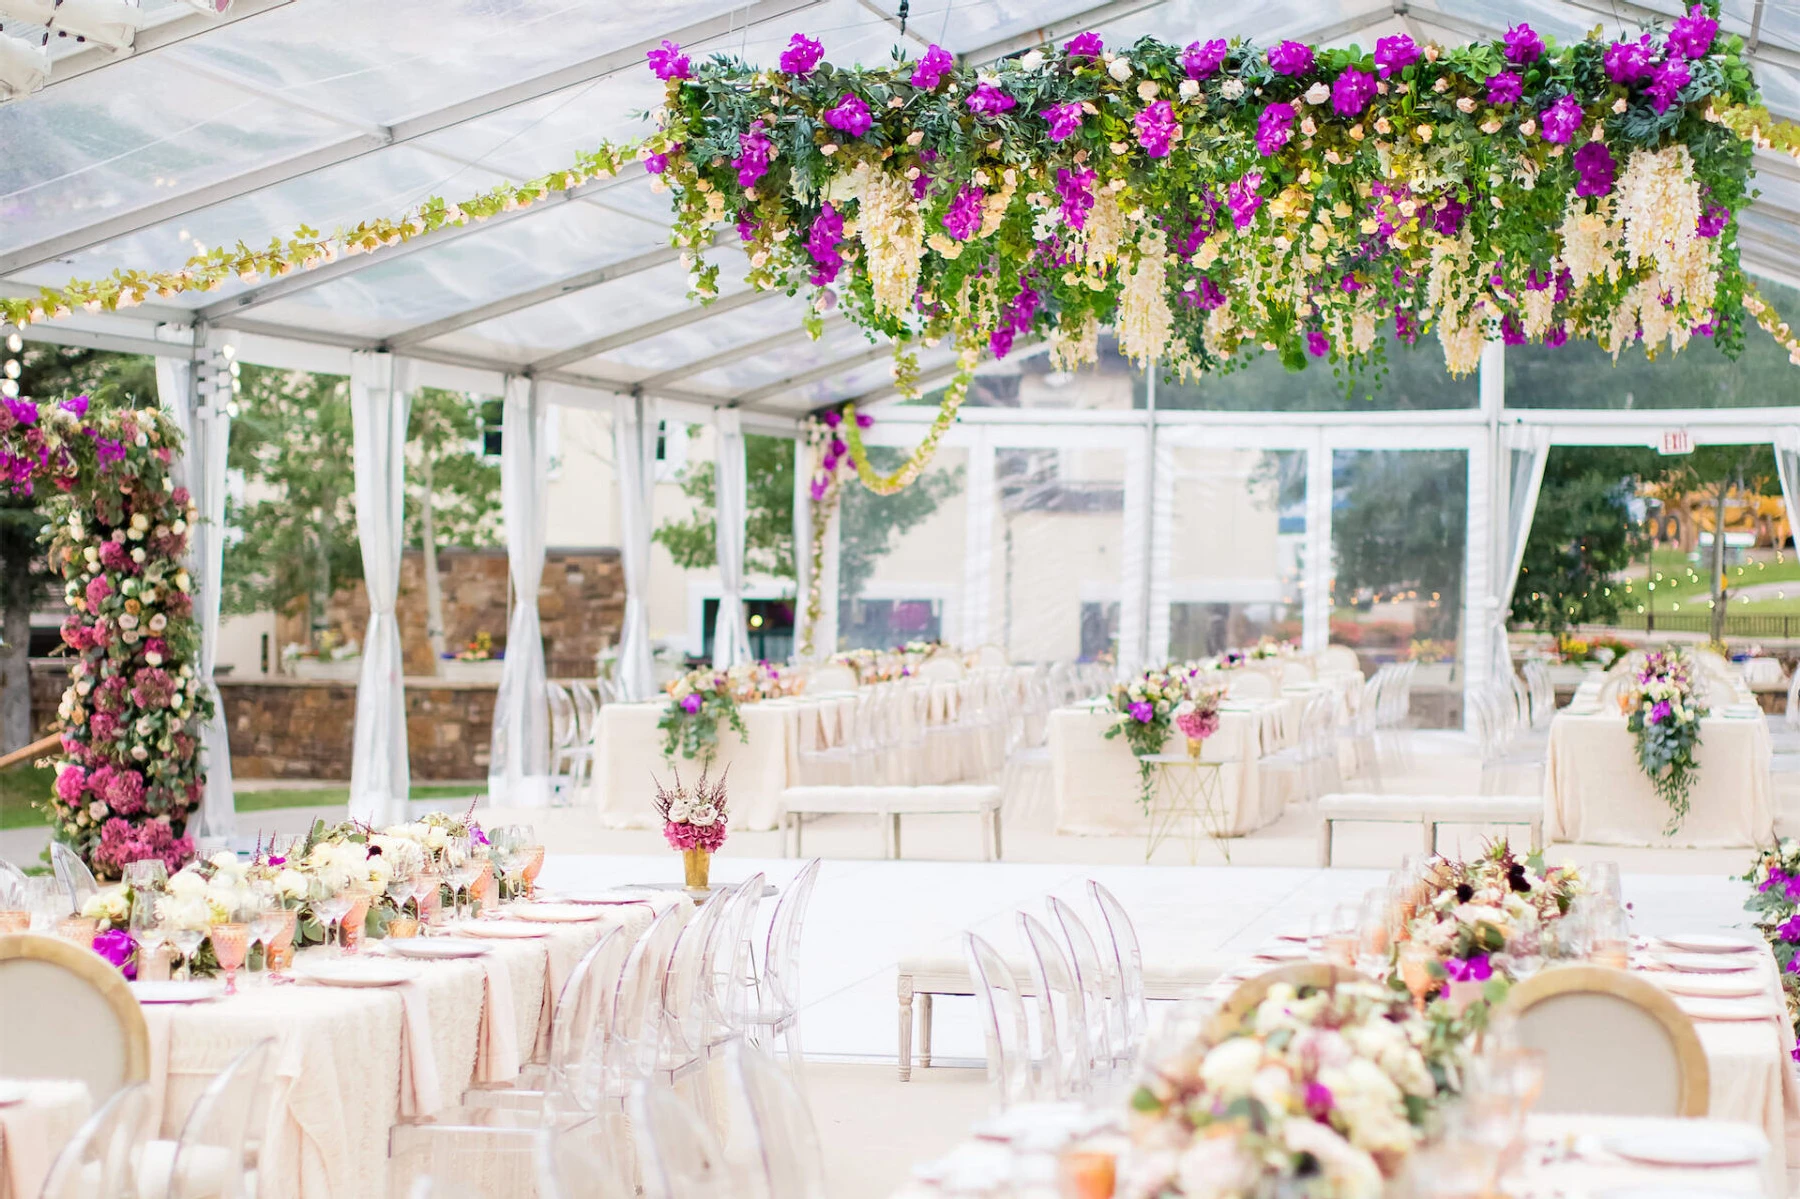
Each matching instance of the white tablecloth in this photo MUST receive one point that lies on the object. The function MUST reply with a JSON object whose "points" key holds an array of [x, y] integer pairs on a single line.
{"points": [[338, 1071], [35, 1129], [1096, 780], [1595, 792]]}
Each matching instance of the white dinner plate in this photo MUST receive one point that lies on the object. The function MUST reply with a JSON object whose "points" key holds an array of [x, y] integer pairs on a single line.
{"points": [[502, 930], [555, 913], [1711, 942], [1666, 1191], [434, 948], [1708, 986], [1283, 953], [1672, 1145], [362, 972], [12, 1091], [176, 990], [1707, 963], [1726, 1009]]}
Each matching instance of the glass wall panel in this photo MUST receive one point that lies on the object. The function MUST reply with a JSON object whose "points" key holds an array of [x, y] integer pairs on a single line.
{"points": [[1236, 548], [1409, 378], [1582, 375], [1058, 554], [1030, 382], [900, 565], [1398, 532]]}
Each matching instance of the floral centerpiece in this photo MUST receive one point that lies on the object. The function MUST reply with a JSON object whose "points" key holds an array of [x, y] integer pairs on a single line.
{"points": [[1662, 712], [1775, 900], [1474, 913], [694, 822], [700, 699], [1144, 710], [1197, 718], [1268, 649], [1317, 1092]]}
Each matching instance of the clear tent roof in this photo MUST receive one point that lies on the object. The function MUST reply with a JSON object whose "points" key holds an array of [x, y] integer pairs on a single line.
{"points": [[216, 130]]}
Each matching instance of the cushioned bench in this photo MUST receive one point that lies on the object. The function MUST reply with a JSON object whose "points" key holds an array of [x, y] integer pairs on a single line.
{"points": [[1428, 811], [927, 975], [891, 803]]}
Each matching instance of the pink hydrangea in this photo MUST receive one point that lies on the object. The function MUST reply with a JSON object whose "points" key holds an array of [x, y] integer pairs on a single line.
{"points": [[114, 556], [98, 590], [103, 726], [71, 782], [125, 792], [154, 688]]}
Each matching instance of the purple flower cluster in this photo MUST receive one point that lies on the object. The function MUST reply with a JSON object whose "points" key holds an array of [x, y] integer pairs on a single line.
{"points": [[1291, 58], [1512, 333], [1561, 121], [1594, 163], [1448, 217], [1206, 294], [1064, 120], [1076, 191], [822, 243], [755, 150], [1016, 319], [1242, 199], [1788, 883], [1659, 712], [1143, 711], [801, 56], [1156, 128], [1317, 344], [1665, 87], [1504, 87], [1523, 45], [1085, 45], [1394, 54], [656, 164], [931, 69], [849, 115], [1274, 128], [1352, 92], [1201, 59], [691, 703], [1692, 36], [668, 62], [1474, 968], [1627, 62], [1712, 222], [963, 218], [989, 101], [746, 226]]}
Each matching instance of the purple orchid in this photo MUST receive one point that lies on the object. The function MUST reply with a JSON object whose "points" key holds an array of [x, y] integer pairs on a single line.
{"points": [[1475, 968], [1352, 92], [963, 218], [668, 62], [1627, 62], [801, 56], [1085, 45], [1665, 87], [1317, 344], [932, 68], [691, 704], [1274, 129], [755, 151], [989, 101], [1692, 35], [1201, 59], [1156, 128], [1523, 45], [1505, 87], [1291, 58], [1561, 120], [1394, 54], [1143, 711], [1064, 120], [1242, 199], [849, 115], [1594, 162]]}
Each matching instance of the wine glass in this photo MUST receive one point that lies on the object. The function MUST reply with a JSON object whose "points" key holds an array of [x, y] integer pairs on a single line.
{"points": [[1415, 970], [147, 874], [1525, 953], [462, 876], [503, 848], [231, 945], [187, 943], [1372, 934], [148, 932], [425, 885], [1603, 879], [327, 905], [1341, 938], [265, 918]]}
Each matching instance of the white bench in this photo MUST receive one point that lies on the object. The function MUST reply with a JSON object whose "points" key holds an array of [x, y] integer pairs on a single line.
{"points": [[1428, 811], [891, 803], [931, 974]]}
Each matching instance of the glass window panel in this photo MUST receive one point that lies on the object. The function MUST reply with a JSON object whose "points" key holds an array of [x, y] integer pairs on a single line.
{"points": [[1581, 375], [1028, 381], [1398, 532], [1414, 378], [900, 558], [1236, 549], [715, 334], [785, 361], [1058, 531]]}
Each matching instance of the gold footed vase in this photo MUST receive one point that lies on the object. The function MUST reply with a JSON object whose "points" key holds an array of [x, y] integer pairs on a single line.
{"points": [[696, 865]]}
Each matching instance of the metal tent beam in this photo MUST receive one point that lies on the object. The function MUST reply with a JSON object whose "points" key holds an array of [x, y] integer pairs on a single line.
{"points": [[1053, 30], [172, 32], [1621, 10], [625, 337], [750, 399], [735, 354], [399, 133]]}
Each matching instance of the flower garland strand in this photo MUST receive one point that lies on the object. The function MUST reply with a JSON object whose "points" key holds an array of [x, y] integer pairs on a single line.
{"points": [[1662, 713], [130, 773]]}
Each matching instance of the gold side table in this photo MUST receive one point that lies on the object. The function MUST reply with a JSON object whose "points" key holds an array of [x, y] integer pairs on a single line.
{"points": [[1187, 800]]}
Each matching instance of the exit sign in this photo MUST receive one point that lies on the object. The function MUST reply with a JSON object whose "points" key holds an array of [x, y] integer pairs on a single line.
{"points": [[1676, 441]]}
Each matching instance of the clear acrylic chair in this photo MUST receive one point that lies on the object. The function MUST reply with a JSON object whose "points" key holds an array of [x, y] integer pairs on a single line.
{"points": [[1091, 981], [776, 1009], [1004, 1023], [678, 1158], [728, 965], [633, 1047], [590, 1159], [208, 1161], [97, 1162], [1132, 1022], [785, 1162], [1064, 1056], [12, 886], [73, 874], [686, 1009]]}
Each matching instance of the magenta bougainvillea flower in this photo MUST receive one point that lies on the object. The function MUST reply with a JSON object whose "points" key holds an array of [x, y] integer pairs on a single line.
{"points": [[1201, 59], [668, 62], [1594, 163], [989, 101], [1317, 344], [1665, 87], [1627, 62], [849, 115], [1291, 58], [1156, 128], [801, 56], [932, 68], [963, 219], [1692, 35], [1394, 54], [1064, 120], [1561, 120], [755, 150], [1352, 92], [1504, 87], [1085, 45], [1274, 128], [1523, 45]]}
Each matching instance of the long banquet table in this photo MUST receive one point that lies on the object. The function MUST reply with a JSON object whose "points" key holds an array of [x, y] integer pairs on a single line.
{"points": [[1595, 792]]}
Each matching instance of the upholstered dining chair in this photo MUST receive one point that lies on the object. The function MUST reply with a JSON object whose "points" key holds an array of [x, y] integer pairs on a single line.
{"points": [[96, 1163], [48, 986], [1613, 1044], [1252, 991]]}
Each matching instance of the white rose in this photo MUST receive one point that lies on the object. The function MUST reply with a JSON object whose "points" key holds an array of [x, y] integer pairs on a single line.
{"points": [[1229, 1066], [1215, 1168], [139, 521], [137, 555], [1147, 90], [1189, 89], [1120, 69], [1232, 89], [1318, 93], [704, 816], [186, 884], [1032, 61]]}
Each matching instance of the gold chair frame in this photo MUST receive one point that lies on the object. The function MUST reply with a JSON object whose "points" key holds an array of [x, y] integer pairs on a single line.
{"points": [[94, 970]]}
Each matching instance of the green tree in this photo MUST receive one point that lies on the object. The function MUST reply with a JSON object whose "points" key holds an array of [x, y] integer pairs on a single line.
{"points": [[1401, 527], [1582, 536], [1717, 471], [452, 490], [769, 516], [296, 521]]}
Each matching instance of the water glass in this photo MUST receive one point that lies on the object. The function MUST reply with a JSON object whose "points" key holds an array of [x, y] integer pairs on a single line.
{"points": [[1341, 939], [148, 932], [47, 900], [231, 945], [1603, 879], [187, 942], [1373, 931], [149, 874]]}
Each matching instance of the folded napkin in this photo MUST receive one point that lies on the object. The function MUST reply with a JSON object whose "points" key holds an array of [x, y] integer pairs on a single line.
{"points": [[420, 1093], [497, 1046]]}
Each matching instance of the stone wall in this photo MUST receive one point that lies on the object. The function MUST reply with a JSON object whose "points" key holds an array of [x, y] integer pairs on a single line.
{"points": [[581, 606], [303, 728]]}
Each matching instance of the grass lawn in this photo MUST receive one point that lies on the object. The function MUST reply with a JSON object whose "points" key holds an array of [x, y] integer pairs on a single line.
{"points": [[1685, 586], [24, 784]]}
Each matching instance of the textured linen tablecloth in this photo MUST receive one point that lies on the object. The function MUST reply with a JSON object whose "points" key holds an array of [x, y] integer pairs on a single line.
{"points": [[1097, 783], [35, 1129], [337, 1072], [1579, 1162], [1595, 792]]}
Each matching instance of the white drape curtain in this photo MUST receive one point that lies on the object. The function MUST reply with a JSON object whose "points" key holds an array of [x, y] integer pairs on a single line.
{"points": [[1524, 450], [634, 458], [1787, 465], [731, 640], [1316, 570], [380, 398], [196, 395], [802, 540], [975, 625], [519, 760]]}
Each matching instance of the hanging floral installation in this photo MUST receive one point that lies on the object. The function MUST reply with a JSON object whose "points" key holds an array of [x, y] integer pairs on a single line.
{"points": [[130, 772]]}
